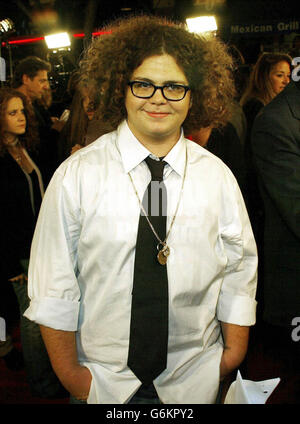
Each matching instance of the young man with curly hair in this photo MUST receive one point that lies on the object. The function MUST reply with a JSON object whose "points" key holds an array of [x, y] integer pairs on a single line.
{"points": [[152, 82]]}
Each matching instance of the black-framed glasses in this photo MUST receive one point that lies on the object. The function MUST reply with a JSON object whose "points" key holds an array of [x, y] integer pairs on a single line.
{"points": [[145, 90]]}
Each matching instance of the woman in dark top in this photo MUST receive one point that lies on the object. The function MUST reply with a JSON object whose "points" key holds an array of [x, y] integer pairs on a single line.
{"points": [[21, 183], [21, 193], [268, 78]]}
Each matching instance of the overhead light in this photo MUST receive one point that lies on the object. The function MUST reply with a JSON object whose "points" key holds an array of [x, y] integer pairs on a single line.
{"points": [[202, 24], [6, 25], [57, 41]]}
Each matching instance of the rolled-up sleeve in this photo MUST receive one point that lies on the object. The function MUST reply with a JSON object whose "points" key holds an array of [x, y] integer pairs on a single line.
{"points": [[236, 303], [52, 285]]}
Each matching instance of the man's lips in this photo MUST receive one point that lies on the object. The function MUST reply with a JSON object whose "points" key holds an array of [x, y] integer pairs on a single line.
{"points": [[157, 114]]}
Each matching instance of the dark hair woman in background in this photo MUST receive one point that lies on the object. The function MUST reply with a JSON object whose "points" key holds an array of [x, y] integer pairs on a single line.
{"points": [[21, 193]]}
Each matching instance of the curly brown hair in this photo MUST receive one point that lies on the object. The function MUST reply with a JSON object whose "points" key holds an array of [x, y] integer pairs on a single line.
{"points": [[112, 58], [30, 139]]}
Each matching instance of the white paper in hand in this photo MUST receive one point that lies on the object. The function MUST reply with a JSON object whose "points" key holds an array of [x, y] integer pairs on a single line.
{"points": [[2, 330], [65, 115], [250, 392]]}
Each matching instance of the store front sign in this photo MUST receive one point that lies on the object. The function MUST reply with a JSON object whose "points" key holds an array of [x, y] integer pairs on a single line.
{"points": [[262, 28]]}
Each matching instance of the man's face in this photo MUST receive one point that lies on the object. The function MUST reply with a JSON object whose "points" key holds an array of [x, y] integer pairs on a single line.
{"points": [[157, 119], [35, 87], [87, 104]]}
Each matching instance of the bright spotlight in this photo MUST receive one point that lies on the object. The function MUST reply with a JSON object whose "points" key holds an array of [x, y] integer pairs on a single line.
{"points": [[58, 41], [202, 24], [6, 25]]}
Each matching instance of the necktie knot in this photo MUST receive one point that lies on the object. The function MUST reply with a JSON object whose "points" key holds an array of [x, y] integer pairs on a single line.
{"points": [[156, 168]]}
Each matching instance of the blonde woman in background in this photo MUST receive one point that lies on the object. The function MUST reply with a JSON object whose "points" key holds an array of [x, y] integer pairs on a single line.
{"points": [[269, 77]]}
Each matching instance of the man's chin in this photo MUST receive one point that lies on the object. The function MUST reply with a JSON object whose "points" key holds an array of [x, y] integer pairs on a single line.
{"points": [[36, 96]]}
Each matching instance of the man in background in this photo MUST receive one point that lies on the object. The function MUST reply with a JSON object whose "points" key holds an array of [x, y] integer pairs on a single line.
{"points": [[276, 154]]}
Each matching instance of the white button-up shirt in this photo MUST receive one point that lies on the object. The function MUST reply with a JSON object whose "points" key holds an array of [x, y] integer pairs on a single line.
{"points": [[82, 263]]}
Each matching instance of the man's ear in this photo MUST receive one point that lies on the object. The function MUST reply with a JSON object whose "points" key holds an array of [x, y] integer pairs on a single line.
{"points": [[25, 79], [191, 102]]}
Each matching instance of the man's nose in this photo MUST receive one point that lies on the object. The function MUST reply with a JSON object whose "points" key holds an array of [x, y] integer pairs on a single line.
{"points": [[158, 96]]}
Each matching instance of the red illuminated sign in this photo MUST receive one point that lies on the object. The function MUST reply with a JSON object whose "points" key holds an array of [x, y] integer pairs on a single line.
{"points": [[29, 40]]}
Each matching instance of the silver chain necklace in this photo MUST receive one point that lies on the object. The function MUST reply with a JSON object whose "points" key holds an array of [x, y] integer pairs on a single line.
{"points": [[162, 247]]}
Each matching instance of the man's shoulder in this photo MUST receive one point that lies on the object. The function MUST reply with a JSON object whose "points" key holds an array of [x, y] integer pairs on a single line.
{"points": [[101, 146], [95, 153], [284, 99], [105, 141], [278, 123]]}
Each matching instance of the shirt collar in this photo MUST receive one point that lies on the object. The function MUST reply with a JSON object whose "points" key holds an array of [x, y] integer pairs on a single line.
{"points": [[177, 155], [133, 152]]}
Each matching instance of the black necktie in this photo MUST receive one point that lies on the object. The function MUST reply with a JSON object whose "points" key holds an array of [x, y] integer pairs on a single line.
{"points": [[148, 343]]}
